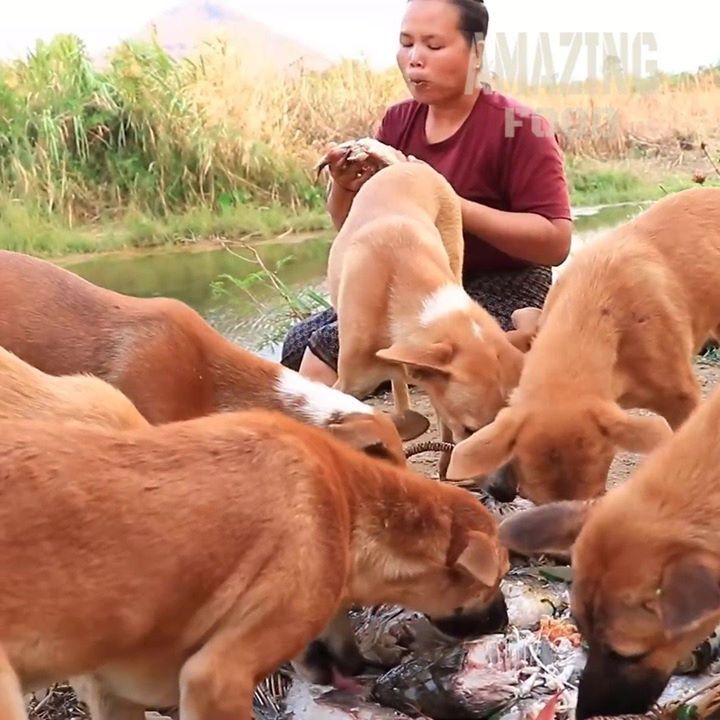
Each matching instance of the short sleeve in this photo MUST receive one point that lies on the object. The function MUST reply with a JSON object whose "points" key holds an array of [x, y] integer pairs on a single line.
{"points": [[534, 175], [387, 132]]}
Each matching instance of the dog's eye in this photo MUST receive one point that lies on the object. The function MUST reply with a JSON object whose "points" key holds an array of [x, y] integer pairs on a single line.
{"points": [[378, 450]]}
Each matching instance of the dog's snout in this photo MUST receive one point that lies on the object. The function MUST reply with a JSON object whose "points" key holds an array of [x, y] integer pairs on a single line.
{"points": [[502, 485], [491, 619], [610, 685]]}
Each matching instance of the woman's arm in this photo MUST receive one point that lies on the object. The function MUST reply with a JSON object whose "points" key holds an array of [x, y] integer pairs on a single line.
{"points": [[524, 235], [338, 204], [537, 225]]}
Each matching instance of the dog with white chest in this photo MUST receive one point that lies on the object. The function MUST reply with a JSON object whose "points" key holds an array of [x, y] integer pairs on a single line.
{"points": [[394, 274]]}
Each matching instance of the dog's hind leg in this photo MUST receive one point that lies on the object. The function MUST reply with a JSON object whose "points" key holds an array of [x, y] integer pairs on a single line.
{"points": [[103, 704], [12, 705]]}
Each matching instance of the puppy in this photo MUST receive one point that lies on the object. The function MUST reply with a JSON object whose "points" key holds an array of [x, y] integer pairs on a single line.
{"points": [[29, 393], [646, 566], [394, 275], [618, 330], [182, 563]]}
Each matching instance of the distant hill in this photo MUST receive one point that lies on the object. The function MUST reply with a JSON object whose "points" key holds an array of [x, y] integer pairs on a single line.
{"points": [[182, 29]]}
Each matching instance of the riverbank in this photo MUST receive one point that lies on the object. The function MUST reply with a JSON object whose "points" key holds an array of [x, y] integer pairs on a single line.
{"points": [[148, 151], [26, 230]]}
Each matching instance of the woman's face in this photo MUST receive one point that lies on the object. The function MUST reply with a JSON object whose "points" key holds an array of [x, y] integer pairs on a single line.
{"points": [[434, 56]]}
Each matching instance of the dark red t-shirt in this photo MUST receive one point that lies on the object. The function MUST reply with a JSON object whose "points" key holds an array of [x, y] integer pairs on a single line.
{"points": [[504, 156]]}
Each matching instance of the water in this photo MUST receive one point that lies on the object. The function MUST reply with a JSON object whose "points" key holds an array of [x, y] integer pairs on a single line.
{"points": [[256, 316]]}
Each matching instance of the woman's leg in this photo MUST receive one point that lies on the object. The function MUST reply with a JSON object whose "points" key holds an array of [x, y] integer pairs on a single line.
{"points": [[503, 292]]}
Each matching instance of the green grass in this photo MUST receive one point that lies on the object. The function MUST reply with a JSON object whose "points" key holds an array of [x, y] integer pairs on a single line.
{"points": [[30, 231], [606, 184], [36, 231]]}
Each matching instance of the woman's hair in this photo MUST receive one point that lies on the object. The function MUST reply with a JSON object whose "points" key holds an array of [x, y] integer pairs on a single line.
{"points": [[473, 18]]}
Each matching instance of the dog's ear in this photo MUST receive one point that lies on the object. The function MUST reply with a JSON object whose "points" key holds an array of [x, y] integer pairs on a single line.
{"points": [[420, 359], [634, 433], [480, 557], [548, 529], [410, 424], [488, 448], [689, 595]]}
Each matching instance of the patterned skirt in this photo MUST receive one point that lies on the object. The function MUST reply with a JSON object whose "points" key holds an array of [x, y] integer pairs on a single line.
{"points": [[500, 293]]}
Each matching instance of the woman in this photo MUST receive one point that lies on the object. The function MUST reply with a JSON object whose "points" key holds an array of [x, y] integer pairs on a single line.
{"points": [[502, 159]]}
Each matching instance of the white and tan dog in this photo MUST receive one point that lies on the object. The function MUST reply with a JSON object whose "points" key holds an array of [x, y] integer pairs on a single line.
{"points": [[618, 331], [394, 274], [164, 356]]}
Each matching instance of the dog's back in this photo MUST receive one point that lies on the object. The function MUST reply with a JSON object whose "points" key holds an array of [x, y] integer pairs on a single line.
{"points": [[669, 256], [182, 523], [28, 393], [406, 208]]}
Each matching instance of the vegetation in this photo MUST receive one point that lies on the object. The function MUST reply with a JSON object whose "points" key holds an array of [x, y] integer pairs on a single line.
{"points": [[144, 150]]}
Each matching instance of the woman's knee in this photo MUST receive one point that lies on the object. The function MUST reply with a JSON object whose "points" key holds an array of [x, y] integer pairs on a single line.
{"points": [[298, 337]]}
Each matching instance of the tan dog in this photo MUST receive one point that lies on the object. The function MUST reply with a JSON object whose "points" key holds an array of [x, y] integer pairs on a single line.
{"points": [[184, 562], [646, 566], [394, 274], [618, 330], [28, 393], [164, 356]]}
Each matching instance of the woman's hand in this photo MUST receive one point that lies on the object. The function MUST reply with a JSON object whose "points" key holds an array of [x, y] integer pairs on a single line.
{"points": [[350, 164], [350, 174]]}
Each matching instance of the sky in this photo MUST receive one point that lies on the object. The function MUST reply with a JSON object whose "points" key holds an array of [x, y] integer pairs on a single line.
{"points": [[671, 41]]}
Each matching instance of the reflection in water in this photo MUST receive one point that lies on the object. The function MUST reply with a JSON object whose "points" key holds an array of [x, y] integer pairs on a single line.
{"points": [[253, 313]]}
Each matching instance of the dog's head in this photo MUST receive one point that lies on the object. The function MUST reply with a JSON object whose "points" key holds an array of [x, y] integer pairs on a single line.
{"points": [[377, 434], [440, 555], [643, 596], [548, 453], [467, 382]]}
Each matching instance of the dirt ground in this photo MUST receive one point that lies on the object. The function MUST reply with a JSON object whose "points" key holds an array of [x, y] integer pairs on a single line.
{"points": [[708, 374]]}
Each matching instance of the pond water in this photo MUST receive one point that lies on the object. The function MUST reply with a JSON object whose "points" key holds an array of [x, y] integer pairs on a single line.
{"points": [[249, 309]]}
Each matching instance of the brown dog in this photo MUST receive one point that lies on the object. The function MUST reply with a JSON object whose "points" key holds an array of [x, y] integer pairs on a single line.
{"points": [[394, 274], [618, 330], [164, 356], [28, 393], [184, 562], [646, 566]]}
